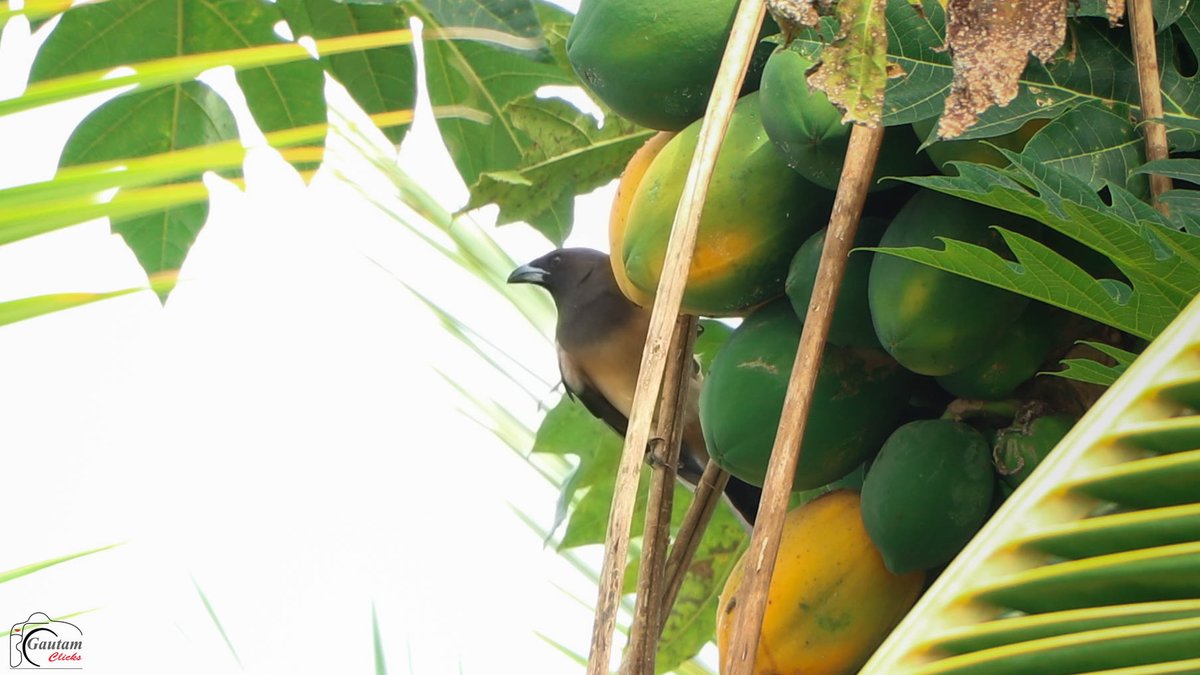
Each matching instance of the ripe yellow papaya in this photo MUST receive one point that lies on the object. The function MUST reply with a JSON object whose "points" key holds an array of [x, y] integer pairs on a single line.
{"points": [[831, 600], [631, 177], [757, 213]]}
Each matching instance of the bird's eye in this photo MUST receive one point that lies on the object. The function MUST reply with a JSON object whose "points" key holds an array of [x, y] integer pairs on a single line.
{"points": [[556, 259]]}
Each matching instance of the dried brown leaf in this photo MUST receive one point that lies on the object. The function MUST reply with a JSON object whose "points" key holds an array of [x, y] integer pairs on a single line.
{"points": [[1116, 11], [792, 15], [990, 41]]}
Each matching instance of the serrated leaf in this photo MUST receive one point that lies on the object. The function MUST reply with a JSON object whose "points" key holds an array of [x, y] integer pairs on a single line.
{"points": [[1094, 372], [486, 78], [1180, 169], [142, 123], [1098, 68], [569, 429], [1088, 371], [1162, 264], [1093, 143], [379, 80], [117, 32], [853, 69], [568, 154], [692, 622]]}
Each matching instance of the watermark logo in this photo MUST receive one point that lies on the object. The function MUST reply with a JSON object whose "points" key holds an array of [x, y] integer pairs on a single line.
{"points": [[41, 642]]}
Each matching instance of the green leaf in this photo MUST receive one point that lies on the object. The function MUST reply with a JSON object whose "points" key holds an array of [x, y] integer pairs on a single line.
{"points": [[13, 311], [1162, 264], [569, 429], [379, 80], [1098, 68], [568, 154], [486, 78], [1092, 371], [1180, 169], [1094, 143], [152, 122], [377, 644], [692, 622], [25, 570], [118, 32]]}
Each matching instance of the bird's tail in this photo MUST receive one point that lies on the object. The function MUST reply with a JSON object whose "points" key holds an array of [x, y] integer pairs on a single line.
{"points": [[744, 498]]}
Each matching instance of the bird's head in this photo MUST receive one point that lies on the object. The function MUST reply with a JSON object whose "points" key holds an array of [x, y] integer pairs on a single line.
{"points": [[565, 271]]}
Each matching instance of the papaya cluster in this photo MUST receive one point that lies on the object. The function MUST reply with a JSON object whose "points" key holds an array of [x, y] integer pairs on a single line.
{"points": [[925, 414]]}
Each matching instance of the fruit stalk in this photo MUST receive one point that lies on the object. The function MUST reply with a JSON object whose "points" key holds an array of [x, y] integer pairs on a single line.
{"points": [[1141, 25], [648, 613], [742, 40], [785, 454], [708, 493]]}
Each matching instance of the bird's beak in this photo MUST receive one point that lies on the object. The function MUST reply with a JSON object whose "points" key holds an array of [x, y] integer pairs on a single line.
{"points": [[527, 274]]}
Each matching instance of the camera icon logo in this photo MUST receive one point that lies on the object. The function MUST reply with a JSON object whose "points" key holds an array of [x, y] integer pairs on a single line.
{"points": [[42, 642]]}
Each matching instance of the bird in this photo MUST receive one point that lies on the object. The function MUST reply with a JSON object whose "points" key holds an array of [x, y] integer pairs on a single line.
{"points": [[599, 337]]}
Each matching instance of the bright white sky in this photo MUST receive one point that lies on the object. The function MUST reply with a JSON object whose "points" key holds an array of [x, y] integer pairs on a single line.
{"points": [[277, 433]]}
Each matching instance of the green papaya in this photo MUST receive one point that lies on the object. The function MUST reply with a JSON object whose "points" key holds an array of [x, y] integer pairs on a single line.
{"points": [[935, 322], [859, 396], [927, 493], [654, 62], [1013, 360], [1019, 449], [851, 325], [809, 131], [757, 214]]}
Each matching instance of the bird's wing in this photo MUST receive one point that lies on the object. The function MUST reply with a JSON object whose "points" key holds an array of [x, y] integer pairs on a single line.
{"points": [[580, 387]]}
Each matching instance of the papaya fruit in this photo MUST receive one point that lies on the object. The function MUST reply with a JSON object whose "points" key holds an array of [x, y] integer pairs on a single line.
{"points": [[974, 150], [851, 325], [859, 396], [757, 214], [1012, 361], [631, 177], [809, 131], [1020, 448], [654, 63], [831, 601], [935, 322], [927, 493]]}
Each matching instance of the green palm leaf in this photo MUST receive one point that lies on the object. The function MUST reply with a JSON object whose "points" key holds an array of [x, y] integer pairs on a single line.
{"points": [[1094, 562]]}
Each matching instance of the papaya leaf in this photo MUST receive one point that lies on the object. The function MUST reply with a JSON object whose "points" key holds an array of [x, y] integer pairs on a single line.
{"points": [[1166, 12], [117, 32], [379, 80], [692, 622], [485, 77], [1179, 169], [853, 69], [569, 429], [135, 125], [568, 154], [1087, 370], [1098, 67], [1094, 143], [1092, 371], [1161, 263]]}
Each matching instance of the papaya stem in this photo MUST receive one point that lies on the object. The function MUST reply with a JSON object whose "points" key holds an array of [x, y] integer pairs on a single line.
{"points": [[1145, 54], [965, 408], [648, 612], [785, 454], [681, 246]]}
